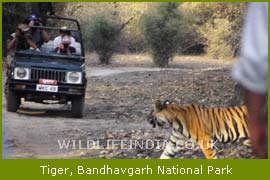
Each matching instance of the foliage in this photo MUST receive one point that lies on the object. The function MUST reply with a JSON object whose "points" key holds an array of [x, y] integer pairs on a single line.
{"points": [[210, 27], [164, 28], [130, 38], [11, 18], [219, 25], [103, 36]]}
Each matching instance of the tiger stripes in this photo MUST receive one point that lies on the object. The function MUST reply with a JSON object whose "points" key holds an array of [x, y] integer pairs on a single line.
{"points": [[202, 125]]}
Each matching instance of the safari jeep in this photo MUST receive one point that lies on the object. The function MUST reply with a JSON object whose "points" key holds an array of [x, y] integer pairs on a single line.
{"points": [[46, 76]]}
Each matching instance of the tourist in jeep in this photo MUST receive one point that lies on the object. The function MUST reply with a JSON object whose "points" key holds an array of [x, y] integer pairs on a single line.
{"points": [[37, 35], [21, 40], [64, 43]]}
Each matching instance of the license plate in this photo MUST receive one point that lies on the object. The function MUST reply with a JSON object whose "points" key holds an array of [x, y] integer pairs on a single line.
{"points": [[47, 88]]}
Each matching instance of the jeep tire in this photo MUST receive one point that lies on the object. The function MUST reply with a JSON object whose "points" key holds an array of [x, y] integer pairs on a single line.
{"points": [[77, 104], [13, 101]]}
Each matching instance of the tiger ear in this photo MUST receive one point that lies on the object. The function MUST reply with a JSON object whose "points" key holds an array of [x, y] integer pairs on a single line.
{"points": [[158, 105]]}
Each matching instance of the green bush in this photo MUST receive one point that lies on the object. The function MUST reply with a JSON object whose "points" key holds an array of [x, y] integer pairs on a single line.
{"points": [[193, 27], [164, 28], [103, 37]]}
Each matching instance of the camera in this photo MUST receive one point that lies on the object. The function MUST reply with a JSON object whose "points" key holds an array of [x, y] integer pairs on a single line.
{"points": [[36, 23], [66, 45], [66, 42]]}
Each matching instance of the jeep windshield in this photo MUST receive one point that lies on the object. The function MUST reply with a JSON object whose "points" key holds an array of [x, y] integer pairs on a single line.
{"points": [[65, 40]]}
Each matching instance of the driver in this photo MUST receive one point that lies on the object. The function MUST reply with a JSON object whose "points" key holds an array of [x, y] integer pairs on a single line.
{"points": [[64, 43]]}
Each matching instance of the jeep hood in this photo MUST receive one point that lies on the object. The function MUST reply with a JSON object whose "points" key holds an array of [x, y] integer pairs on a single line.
{"points": [[52, 63]]}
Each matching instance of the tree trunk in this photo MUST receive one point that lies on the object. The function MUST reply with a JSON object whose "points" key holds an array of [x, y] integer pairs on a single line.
{"points": [[161, 60]]}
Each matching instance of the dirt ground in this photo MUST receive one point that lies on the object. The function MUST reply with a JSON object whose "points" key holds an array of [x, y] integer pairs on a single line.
{"points": [[118, 100]]}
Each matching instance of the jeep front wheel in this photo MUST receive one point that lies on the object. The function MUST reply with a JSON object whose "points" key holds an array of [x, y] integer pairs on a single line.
{"points": [[77, 107], [13, 101]]}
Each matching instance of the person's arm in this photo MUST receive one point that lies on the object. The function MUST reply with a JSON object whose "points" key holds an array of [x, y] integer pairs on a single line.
{"points": [[45, 35], [31, 44], [257, 122], [73, 45], [73, 42], [11, 44], [56, 44]]}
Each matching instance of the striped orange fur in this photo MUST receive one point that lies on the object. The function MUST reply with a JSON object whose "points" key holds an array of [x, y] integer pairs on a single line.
{"points": [[202, 125]]}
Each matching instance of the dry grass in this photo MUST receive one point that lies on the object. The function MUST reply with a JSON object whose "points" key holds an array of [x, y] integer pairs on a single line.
{"points": [[145, 60]]}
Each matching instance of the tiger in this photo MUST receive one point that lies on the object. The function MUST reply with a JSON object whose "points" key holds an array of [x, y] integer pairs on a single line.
{"points": [[201, 125]]}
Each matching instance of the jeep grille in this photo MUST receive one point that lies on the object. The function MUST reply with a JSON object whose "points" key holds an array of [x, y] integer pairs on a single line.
{"points": [[58, 75]]}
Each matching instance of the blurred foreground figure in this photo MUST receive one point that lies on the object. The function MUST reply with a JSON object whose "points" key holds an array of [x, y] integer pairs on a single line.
{"points": [[251, 71]]}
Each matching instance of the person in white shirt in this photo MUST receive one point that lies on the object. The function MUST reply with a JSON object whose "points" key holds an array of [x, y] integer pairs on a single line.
{"points": [[64, 43], [251, 71]]}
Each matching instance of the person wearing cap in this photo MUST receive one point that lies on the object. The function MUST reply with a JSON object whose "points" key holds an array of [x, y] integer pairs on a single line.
{"points": [[64, 43], [38, 35], [20, 39]]}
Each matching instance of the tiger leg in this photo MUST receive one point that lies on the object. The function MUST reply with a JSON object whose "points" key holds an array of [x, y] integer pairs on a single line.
{"points": [[207, 149], [170, 149], [247, 142]]}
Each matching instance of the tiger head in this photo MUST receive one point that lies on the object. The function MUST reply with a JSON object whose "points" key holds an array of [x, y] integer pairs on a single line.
{"points": [[158, 115]]}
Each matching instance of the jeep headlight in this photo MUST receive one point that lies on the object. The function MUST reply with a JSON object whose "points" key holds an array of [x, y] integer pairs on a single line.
{"points": [[74, 77], [21, 73]]}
